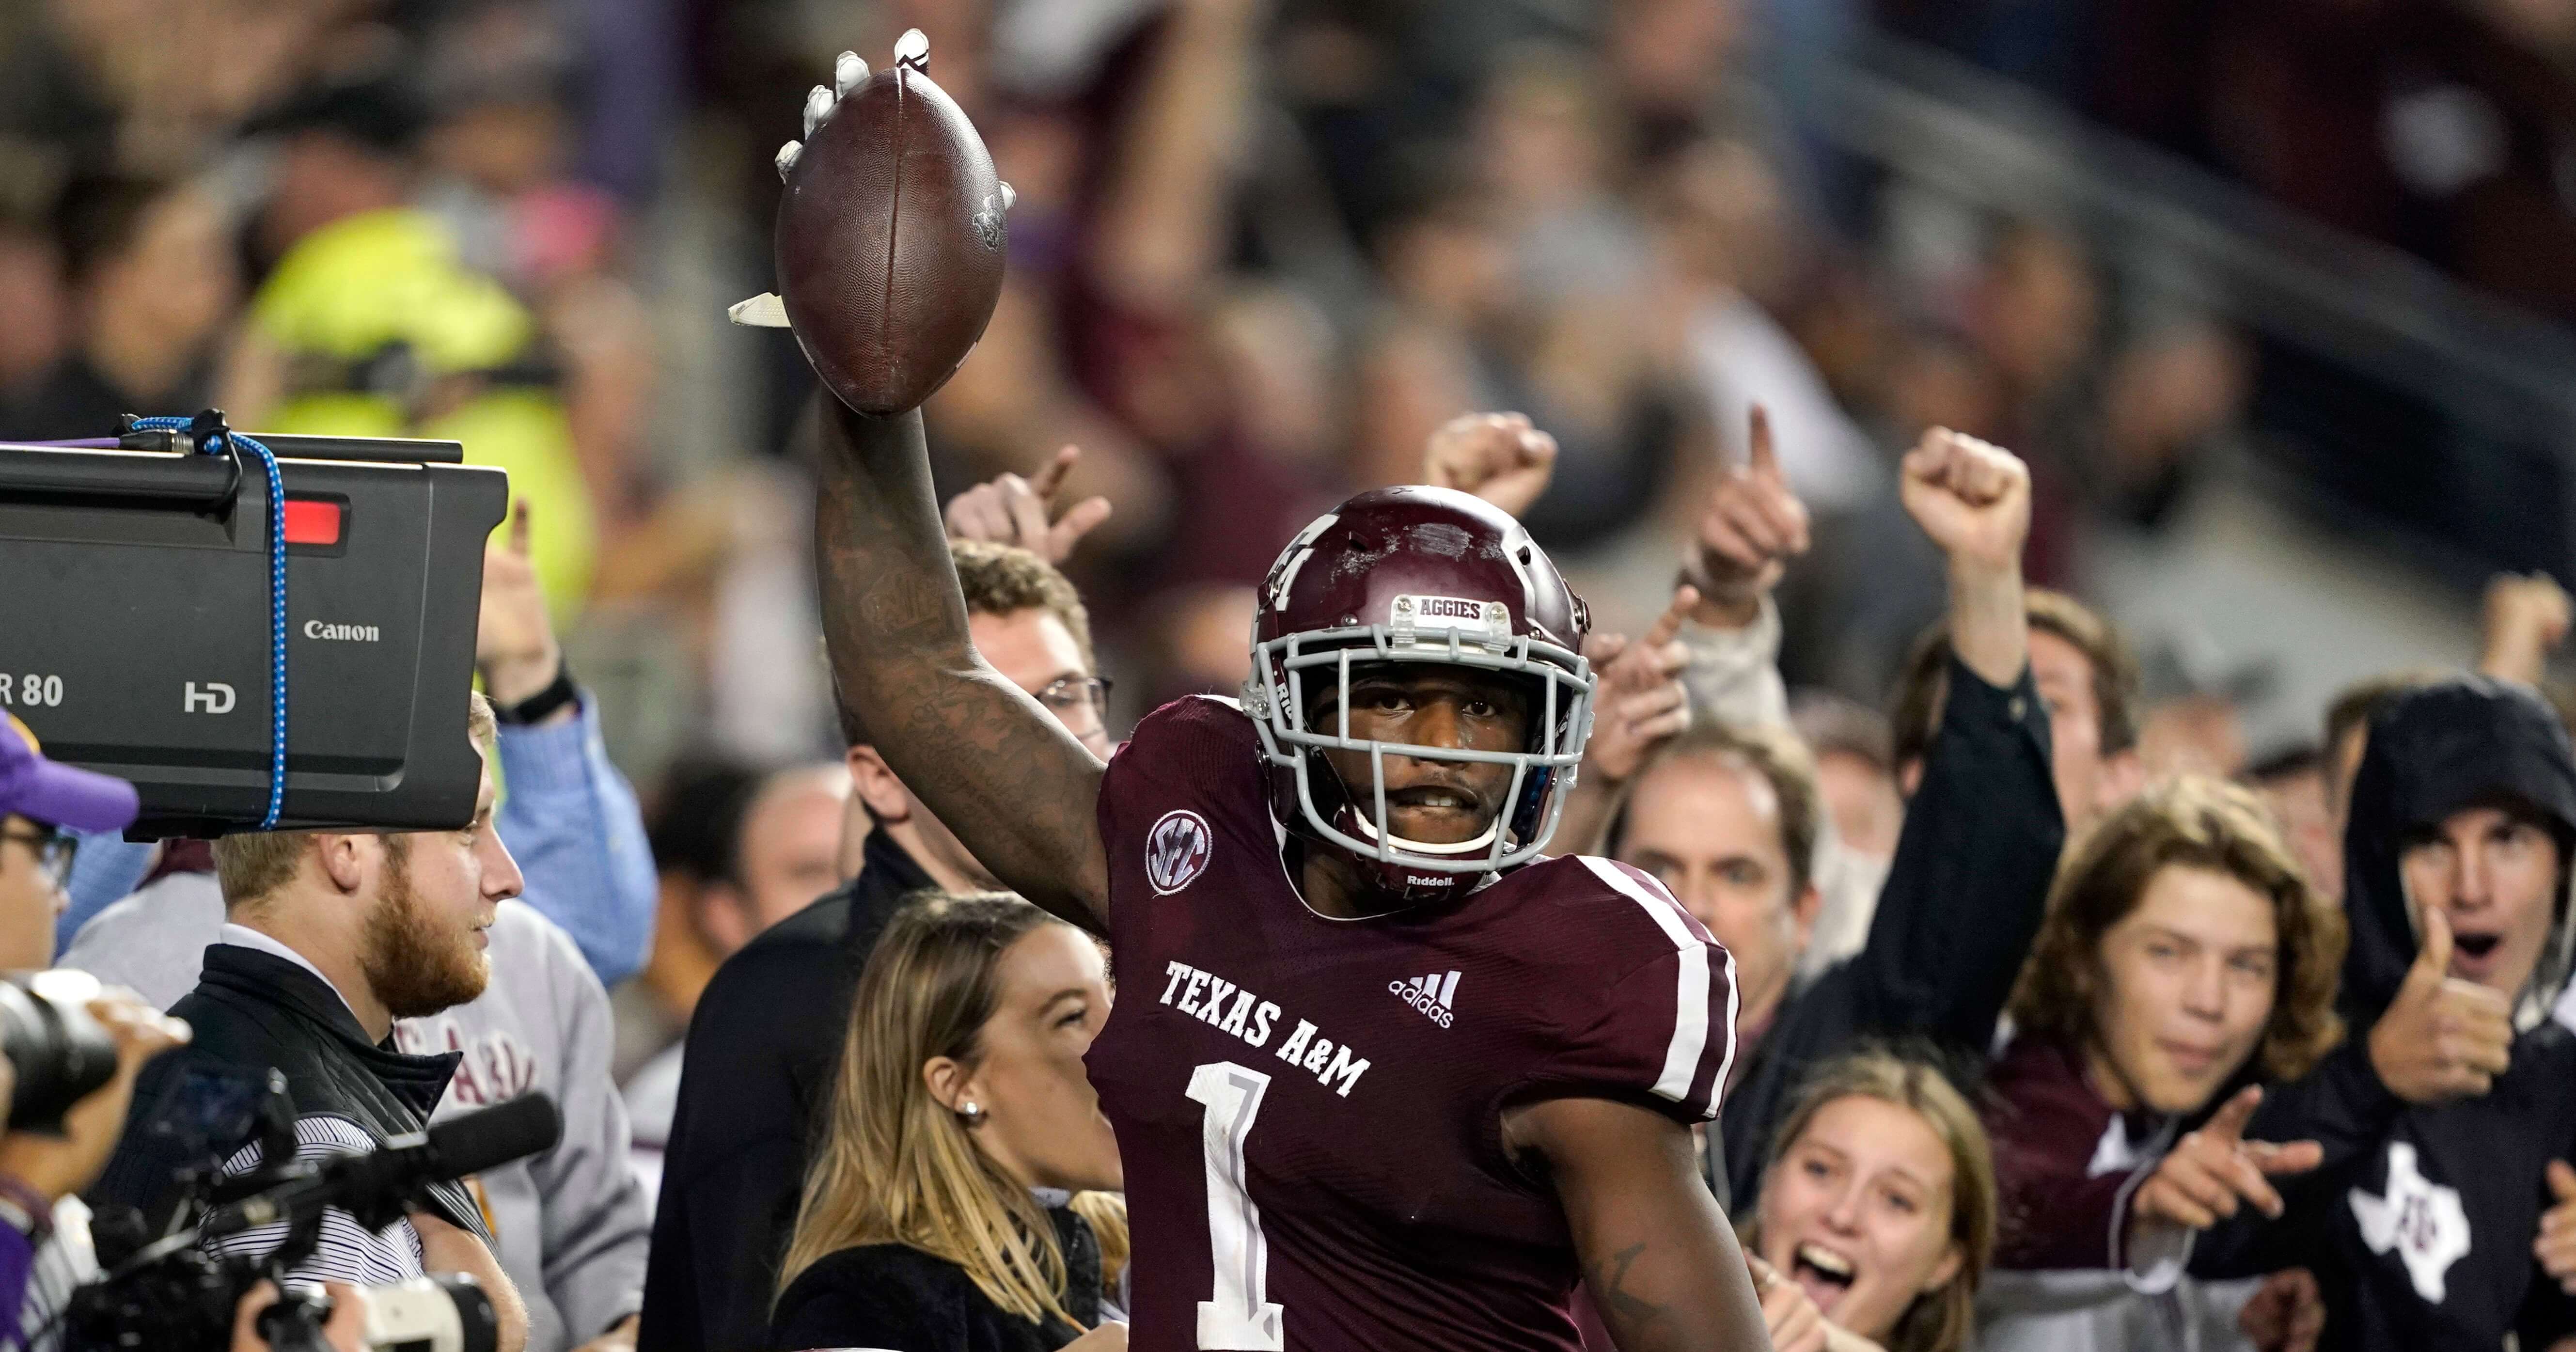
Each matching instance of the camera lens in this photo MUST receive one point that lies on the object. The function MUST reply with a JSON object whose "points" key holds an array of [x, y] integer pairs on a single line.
{"points": [[478, 1327], [60, 1053], [447, 1313]]}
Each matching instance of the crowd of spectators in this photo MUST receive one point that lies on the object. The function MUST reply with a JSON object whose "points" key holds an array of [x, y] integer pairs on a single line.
{"points": [[1262, 248], [2436, 128], [1266, 253]]}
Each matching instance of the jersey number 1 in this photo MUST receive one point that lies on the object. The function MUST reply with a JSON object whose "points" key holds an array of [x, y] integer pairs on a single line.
{"points": [[1235, 1317]]}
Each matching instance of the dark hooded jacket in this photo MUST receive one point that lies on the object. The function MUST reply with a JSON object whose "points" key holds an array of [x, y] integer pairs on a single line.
{"points": [[2419, 1225]]}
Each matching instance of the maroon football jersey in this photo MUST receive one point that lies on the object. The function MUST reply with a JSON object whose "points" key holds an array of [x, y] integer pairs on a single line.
{"points": [[1310, 1109]]}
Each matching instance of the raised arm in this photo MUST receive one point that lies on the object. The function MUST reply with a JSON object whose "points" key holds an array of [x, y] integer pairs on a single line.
{"points": [[1981, 839], [1657, 1254], [569, 818], [1500, 457], [1973, 499], [1001, 773], [1162, 228], [981, 753], [1752, 525]]}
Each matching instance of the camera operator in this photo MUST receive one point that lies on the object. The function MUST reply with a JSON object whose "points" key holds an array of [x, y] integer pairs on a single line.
{"points": [[330, 937], [573, 1223], [44, 1244]]}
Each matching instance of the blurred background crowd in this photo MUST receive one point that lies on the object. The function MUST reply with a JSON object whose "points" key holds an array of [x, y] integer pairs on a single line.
{"points": [[2271, 295], [2268, 293]]}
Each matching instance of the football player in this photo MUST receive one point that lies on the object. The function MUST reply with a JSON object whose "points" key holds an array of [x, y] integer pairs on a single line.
{"points": [[1382, 1076]]}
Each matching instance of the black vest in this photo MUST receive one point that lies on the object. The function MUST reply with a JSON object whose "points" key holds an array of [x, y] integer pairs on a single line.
{"points": [[256, 1011]]}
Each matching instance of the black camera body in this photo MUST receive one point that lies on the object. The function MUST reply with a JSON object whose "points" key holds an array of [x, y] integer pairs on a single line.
{"points": [[162, 1288], [184, 1300], [158, 1288], [188, 1299], [135, 636]]}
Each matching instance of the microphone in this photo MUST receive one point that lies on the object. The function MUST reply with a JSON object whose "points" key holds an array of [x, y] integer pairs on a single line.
{"points": [[379, 1181]]}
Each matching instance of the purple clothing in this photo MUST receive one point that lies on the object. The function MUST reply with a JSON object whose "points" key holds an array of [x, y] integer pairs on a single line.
{"points": [[1310, 1109], [17, 1259], [2063, 1174], [55, 794]]}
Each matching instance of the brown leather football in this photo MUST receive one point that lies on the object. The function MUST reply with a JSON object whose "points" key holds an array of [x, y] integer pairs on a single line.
{"points": [[890, 242]]}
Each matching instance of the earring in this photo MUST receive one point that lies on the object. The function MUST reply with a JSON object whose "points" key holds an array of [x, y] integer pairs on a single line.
{"points": [[970, 1114]]}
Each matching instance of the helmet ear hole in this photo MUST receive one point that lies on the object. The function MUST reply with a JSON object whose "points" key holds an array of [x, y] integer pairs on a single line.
{"points": [[1525, 555]]}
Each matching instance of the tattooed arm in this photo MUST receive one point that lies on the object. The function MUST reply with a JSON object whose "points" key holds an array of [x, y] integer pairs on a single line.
{"points": [[979, 752], [1662, 1265]]}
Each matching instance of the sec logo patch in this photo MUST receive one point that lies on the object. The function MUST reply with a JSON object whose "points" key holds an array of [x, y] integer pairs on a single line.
{"points": [[1176, 851]]}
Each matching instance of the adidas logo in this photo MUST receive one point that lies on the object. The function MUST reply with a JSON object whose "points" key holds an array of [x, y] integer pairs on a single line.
{"points": [[1430, 994]]}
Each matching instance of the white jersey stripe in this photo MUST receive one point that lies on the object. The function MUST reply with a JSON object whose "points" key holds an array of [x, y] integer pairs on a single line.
{"points": [[1690, 1022], [1690, 1031], [1726, 1063]]}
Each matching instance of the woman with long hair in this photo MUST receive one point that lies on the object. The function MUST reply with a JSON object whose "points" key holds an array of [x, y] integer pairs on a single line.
{"points": [[1879, 1201], [936, 1215]]}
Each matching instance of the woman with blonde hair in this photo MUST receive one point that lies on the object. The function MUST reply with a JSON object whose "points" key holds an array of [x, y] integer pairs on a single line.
{"points": [[936, 1215], [1878, 1202]]}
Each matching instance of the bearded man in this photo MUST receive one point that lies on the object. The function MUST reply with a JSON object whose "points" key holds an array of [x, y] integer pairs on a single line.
{"points": [[329, 937]]}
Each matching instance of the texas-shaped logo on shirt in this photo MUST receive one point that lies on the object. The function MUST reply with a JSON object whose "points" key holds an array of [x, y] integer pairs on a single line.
{"points": [[2422, 1220]]}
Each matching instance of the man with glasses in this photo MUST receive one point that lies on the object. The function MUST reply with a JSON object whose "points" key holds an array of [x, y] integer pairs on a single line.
{"points": [[44, 1227], [766, 1032], [36, 853]]}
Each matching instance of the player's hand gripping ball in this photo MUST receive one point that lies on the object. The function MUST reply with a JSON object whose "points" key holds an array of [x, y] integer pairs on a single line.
{"points": [[891, 233]]}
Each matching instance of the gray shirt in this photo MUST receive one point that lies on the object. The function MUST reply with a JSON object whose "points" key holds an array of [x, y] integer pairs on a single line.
{"points": [[572, 1224]]}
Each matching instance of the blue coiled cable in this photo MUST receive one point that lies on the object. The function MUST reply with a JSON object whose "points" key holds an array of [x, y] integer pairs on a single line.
{"points": [[214, 445]]}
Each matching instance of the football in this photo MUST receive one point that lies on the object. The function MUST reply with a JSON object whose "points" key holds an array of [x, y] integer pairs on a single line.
{"points": [[890, 242]]}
